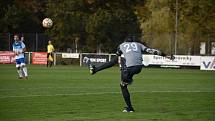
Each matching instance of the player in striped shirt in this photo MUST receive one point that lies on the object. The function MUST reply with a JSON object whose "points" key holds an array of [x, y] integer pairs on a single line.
{"points": [[19, 49]]}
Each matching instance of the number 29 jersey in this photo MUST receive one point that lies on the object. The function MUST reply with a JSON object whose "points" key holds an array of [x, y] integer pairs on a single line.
{"points": [[131, 53]]}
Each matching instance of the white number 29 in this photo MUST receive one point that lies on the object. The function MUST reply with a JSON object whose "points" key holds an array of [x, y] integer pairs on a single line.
{"points": [[130, 47]]}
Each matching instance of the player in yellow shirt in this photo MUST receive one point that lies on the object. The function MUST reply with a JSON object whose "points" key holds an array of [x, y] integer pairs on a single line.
{"points": [[50, 50]]}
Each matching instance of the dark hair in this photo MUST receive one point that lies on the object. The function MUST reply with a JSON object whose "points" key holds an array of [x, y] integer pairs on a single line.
{"points": [[130, 38], [16, 35]]}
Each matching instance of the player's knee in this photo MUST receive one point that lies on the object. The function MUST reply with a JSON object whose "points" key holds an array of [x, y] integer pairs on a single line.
{"points": [[124, 78], [123, 84], [22, 65], [18, 68], [126, 81]]}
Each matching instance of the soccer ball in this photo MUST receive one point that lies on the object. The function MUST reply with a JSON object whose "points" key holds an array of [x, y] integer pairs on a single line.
{"points": [[47, 23]]}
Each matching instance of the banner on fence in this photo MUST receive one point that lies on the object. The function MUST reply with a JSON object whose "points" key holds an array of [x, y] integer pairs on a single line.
{"points": [[39, 58], [96, 59], [70, 55], [207, 63], [7, 57], [180, 60]]}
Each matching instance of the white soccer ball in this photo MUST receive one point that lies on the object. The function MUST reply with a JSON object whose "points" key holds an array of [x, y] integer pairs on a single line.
{"points": [[47, 23]]}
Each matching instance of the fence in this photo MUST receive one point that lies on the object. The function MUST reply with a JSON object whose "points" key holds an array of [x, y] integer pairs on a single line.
{"points": [[199, 44], [34, 41], [203, 62]]}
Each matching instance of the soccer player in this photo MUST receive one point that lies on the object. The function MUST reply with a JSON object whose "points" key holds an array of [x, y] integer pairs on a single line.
{"points": [[129, 56], [50, 56], [19, 49], [22, 38]]}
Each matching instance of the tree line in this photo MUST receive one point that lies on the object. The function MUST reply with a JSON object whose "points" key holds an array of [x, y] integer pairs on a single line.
{"points": [[100, 25]]}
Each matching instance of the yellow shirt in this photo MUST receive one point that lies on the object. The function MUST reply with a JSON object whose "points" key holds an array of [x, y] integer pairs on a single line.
{"points": [[50, 48]]}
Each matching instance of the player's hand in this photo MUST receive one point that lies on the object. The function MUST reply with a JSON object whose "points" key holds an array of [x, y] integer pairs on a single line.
{"points": [[86, 60], [16, 53], [171, 57], [19, 52]]}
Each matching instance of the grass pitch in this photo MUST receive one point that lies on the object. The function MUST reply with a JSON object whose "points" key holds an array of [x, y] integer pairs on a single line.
{"points": [[70, 93]]}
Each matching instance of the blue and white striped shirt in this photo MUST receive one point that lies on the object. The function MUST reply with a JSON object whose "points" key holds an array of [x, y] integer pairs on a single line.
{"points": [[18, 47]]}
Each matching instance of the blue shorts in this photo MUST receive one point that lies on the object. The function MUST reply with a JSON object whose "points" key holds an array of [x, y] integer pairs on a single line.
{"points": [[20, 62]]}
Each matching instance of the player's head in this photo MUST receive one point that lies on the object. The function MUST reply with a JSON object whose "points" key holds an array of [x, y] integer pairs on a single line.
{"points": [[130, 38], [50, 42], [22, 38], [16, 37]]}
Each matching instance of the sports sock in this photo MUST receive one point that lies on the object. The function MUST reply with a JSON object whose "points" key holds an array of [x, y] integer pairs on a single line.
{"points": [[107, 65], [19, 71], [25, 71], [126, 95], [51, 63]]}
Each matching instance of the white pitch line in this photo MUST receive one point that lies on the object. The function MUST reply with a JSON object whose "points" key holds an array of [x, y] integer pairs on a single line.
{"points": [[66, 94], [100, 93], [39, 88]]}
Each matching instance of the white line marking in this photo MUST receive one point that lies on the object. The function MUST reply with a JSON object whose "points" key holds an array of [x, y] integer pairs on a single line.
{"points": [[100, 93], [39, 88]]}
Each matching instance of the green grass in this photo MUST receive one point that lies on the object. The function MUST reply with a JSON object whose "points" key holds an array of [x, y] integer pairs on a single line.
{"points": [[69, 93]]}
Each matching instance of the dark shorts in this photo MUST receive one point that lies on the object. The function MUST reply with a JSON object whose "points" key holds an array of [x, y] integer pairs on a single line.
{"points": [[49, 54], [128, 73]]}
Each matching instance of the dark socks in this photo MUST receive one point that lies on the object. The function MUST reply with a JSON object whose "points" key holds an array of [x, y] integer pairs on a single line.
{"points": [[51, 64], [126, 96]]}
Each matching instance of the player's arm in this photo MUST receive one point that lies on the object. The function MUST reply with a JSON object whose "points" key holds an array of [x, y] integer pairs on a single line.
{"points": [[47, 48], [149, 50], [23, 48], [116, 59], [52, 48], [154, 52], [157, 52], [14, 50], [119, 53]]}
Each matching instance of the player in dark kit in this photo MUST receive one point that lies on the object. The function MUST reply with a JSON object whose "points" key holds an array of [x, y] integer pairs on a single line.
{"points": [[129, 56]]}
